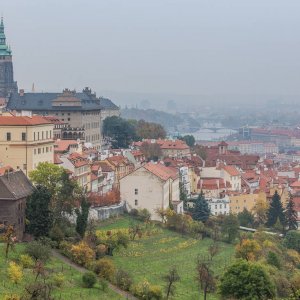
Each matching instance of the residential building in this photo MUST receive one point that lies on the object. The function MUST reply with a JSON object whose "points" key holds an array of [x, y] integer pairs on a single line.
{"points": [[25, 141], [152, 186], [219, 206], [233, 176], [14, 190]]}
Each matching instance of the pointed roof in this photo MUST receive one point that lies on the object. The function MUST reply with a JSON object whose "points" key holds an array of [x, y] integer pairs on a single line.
{"points": [[4, 49]]}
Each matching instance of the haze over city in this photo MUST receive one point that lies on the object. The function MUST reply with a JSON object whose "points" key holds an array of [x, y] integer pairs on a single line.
{"points": [[158, 50]]}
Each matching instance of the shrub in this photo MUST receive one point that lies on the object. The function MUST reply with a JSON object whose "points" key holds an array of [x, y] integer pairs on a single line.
{"points": [[123, 280], [103, 284], [293, 257], [144, 215], [11, 297], [82, 254], [56, 234], [65, 248], [272, 259], [292, 240], [101, 250], [58, 279], [15, 273], [248, 249], [26, 261], [155, 292], [105, 268], [89, 279], [38, 251]]}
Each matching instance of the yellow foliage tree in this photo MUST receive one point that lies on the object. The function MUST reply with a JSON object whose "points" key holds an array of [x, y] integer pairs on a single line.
{"points": [[15, 272], [82, 254], [248, 249], [260, 210]]}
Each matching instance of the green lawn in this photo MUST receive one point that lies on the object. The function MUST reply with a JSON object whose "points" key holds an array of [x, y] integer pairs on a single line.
{"points": [[151, 257], [72, 288]]}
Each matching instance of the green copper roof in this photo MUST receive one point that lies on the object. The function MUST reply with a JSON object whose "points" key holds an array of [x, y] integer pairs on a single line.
{"points": [[4, 49]]}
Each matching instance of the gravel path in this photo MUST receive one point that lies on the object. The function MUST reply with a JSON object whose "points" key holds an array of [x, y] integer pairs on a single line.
{"points": [[67, 261]]}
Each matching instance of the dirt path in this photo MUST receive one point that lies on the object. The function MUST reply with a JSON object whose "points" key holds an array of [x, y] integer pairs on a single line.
{"points": [[83, 270]]}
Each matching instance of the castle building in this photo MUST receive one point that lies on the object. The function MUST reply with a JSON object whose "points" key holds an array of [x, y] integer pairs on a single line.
{"points": [[7, 83]]}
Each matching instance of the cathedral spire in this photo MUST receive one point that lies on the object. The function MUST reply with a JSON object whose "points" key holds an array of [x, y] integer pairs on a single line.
{"points": [[4, 49]]}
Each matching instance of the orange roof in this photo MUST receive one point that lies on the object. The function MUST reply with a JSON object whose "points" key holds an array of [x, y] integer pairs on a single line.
{"points": [[296, 184], [4, 169], [57, 159], [77, 160], [23, 121], [161, 171], [231, 170], [63, 145]]}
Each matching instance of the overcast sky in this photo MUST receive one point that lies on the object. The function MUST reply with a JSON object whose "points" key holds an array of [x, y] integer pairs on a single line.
{"points": [[156, 46]]}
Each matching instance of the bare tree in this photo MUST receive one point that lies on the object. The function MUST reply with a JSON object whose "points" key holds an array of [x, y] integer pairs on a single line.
{"points": [[170, 279], [205, 277], [213, 250]]}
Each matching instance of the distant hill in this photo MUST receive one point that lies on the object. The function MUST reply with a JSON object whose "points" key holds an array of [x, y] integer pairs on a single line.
{"points": [[171, 122]]}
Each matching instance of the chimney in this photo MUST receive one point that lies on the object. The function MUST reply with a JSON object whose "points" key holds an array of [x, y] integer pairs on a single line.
{"points": [[21, 92]]}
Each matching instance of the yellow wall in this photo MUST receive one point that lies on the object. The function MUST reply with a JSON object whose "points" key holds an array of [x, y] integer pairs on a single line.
{"points": [[239, 202], [26, 155]]}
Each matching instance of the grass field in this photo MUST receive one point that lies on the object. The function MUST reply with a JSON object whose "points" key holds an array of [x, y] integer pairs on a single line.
{"points": [[151, 257], [72, 288]]}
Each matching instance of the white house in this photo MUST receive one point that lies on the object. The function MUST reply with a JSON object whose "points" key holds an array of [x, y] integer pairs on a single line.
{"points": [[219, 206], [151, 186]]}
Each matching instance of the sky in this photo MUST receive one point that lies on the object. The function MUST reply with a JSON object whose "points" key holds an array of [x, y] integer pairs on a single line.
{"points": [[160, 47]]}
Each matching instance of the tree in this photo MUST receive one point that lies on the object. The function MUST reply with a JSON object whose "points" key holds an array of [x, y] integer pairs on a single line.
{"points": [[246, 281], [276, 211], [213, 250], [291, 214], [38, 212], [230, 227], [248, 249], [245, 218], [205, 277], [121, 131], [189, 140], [151, 151], [292, 240], [82, 216], [260, 211], [171, 278], [89, 279], [82, 253], [200, 211], [149, 130], [9, 239]]}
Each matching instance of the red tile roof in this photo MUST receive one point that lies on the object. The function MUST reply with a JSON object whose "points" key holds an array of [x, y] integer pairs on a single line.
{"points": [[23, 121], [63, 145], [161, 171], [231, 170], [5, 169]]}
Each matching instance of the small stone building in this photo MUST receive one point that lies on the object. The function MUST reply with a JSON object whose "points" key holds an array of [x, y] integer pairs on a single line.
{"points": [[15, 187]]}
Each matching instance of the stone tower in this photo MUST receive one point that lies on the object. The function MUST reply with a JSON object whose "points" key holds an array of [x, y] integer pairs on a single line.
{"points": [[7, 83]]}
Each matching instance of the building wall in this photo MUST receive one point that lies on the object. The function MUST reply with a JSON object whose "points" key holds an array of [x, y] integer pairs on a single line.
{"points": [[152, 193], [239, 202], [12, 212], [26, 155]]}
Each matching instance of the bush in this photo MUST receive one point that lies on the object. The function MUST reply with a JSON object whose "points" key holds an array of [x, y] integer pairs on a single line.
{"points": [[272, 259], [292, 240], [26, 261], [38, 251], [293, 257], [58, 279], [89, 279], [144, 215], [155, 292], [103, 284], [82, 254], [15, 273], [11, 297], [105, 268], [101, 251], [123, 280], [56, 234]]}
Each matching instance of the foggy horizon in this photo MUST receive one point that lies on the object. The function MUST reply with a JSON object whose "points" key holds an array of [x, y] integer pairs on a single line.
{"points": [[157, 48]]}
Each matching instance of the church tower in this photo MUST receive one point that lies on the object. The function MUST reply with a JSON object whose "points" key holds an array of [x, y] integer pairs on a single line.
{"points": [[7, 83]]}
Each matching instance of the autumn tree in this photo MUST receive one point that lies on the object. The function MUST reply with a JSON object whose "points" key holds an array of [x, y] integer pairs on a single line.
{"points": [[260, 211], [291, 214], [149, 130], [248, 250], [151, 151], [205, 277], [38, 212], [9, 239], [246, 281], [171, 278], [213, 250], [275, 212]]}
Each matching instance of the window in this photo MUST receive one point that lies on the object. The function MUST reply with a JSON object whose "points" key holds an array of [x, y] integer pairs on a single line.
{"points": [[39, 150], [38, 136], [47, 134], [24, 166], [8, 136], [136, 191], [34, 135], [47, 149], [23, 136], [34, 151], [69, 119], [135, 202], [42, 135]]}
